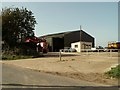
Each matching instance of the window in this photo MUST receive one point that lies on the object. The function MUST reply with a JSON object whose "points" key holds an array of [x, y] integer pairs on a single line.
{"points": [[76, 46]]}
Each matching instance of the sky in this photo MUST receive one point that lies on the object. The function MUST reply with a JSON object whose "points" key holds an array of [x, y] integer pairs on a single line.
{"points": [[99, 19]]}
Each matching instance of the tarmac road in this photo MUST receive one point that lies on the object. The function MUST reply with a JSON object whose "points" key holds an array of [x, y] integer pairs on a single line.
{"points": [[14, 76]]}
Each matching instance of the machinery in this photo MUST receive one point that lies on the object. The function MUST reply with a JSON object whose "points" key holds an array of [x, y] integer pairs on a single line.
{"points": [[114, 45], [40, 45]]}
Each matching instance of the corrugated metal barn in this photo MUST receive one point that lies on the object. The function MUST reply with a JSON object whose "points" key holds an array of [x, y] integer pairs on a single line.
{"points": [[62, 40]]}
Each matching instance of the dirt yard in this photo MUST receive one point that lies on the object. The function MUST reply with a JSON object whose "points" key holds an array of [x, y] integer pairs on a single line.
{"points": [[90, 67]]}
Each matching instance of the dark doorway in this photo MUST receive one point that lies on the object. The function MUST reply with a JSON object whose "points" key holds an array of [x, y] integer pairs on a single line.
{"points": [[58, 43]]}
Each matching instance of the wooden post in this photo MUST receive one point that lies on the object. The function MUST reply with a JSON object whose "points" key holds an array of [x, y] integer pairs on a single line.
{"points": [[87, 52], [110, 52], [60, 55], [98, 51]]}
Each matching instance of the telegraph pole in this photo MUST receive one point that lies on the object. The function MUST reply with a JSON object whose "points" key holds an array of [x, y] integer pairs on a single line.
{"points": [[80, 32], [80, 37], [80, 27]]}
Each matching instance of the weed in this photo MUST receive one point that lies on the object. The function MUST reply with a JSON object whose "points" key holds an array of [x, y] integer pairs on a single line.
{"points": [[72, 59], [114, 72]]}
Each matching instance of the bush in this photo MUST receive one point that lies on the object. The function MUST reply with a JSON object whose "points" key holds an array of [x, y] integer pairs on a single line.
{"points": [[19, 53], [114, 72]]}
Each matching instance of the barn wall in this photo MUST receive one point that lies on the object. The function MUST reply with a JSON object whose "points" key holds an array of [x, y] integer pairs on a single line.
{"points": [[61, 40]]}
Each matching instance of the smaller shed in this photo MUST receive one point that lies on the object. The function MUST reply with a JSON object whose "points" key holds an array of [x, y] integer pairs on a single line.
{"points": [[79, 46]]}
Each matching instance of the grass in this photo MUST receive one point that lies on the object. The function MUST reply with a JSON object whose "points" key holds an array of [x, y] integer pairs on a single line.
{"points": [[114, 72], [64, 60], [14, 57], [72, 59], [68, 60]]}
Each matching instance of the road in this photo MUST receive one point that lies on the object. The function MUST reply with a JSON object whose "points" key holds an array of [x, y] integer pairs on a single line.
{"points": [[14, 76]]}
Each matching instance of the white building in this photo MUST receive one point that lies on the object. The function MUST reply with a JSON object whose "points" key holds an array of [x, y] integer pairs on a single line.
{"points": [[81, 46]]}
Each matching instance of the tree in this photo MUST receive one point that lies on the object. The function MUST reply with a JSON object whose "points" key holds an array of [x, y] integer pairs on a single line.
{"points": [[17, 24]]}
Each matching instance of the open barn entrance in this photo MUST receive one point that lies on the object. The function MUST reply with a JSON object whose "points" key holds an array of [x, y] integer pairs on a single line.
{"points": [[58, 43]]}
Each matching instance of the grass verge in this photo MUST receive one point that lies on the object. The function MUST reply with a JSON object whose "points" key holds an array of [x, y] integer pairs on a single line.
{"points": [[114, 72], [14, 57]]}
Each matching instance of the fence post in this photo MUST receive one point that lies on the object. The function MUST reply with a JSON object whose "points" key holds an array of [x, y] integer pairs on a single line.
{"points": [[118, 52], [87, 52], [110, 53], [60, 55], [98, 51]]}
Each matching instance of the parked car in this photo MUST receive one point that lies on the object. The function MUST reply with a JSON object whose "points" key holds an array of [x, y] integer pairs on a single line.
{"points": [[69, 49], [72, 50]]}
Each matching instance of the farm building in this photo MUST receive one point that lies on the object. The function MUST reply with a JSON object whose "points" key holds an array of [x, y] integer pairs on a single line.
{"points": [[75, 39]]}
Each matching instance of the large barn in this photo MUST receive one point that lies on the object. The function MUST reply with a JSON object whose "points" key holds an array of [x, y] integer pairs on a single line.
{"points": [[75, 39]]}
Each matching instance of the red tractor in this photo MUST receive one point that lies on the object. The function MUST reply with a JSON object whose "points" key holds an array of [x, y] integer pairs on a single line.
{"points": [[40, 45]]}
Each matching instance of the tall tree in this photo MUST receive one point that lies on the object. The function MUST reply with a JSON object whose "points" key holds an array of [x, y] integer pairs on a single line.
{"points": [[17, 24]]}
